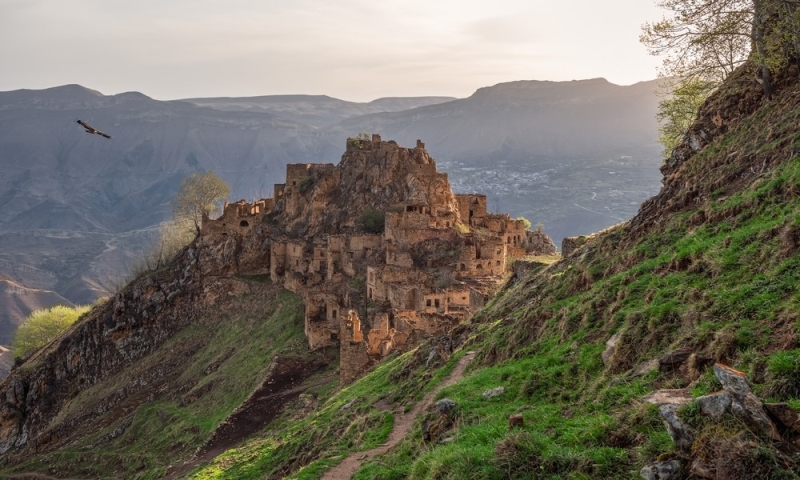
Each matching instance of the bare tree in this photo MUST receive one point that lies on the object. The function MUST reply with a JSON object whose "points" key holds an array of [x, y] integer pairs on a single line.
{"points": [[197, 197]]}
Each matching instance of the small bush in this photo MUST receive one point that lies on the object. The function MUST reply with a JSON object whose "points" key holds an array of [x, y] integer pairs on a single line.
{"points": [[42, 326], [525, 222], [372, 220], [306, 185]]}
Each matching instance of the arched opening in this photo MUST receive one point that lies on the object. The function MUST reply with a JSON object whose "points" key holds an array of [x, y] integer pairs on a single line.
{"points": [[463, 267], [244, 223]]}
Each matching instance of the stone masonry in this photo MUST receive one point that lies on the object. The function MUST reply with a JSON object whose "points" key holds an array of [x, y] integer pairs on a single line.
{"points": [[439, 258]]}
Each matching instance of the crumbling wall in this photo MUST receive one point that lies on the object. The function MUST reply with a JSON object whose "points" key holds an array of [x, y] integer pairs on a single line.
{"points": [[353, 356], [471, 208], [237, 218]]}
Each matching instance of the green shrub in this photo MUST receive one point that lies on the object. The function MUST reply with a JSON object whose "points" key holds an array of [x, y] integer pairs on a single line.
{"points": [[42, 326], [306, 185], [372, 220]]}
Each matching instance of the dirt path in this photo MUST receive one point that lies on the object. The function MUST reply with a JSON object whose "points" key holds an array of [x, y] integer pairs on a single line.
{"points": [[402, 425]]}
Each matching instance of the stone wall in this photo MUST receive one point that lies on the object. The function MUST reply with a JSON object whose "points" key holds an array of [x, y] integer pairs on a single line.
{"points": [[237, 218]]}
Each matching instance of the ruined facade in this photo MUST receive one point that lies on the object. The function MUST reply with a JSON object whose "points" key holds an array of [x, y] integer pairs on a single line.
{"points": [[436, 262]]}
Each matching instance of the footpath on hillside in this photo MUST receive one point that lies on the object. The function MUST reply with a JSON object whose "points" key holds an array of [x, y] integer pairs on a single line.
{"points": [[402, 425]]}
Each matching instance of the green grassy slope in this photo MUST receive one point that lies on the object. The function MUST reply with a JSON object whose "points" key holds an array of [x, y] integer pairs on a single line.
{"points": [[174, 398], [710, 265]]}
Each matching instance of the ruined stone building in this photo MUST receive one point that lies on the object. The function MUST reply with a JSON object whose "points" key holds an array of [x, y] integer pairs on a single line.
{"points": [[439, 257]]}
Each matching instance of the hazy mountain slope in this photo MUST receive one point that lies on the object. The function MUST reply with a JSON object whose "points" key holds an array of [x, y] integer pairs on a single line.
{"points": [[314, 110], [77, 209], [528, 119], [18, 302], [577, 156], [706, 272]]}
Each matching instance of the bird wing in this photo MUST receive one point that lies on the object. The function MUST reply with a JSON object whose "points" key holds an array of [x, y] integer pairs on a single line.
{"points": [[91, 129]]}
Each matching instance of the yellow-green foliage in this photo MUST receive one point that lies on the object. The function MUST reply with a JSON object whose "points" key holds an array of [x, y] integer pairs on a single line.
{"points": [[41, 326]]}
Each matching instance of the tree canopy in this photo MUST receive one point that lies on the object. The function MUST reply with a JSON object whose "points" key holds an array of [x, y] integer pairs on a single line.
{"points": [[42, 326], [197, 197], [703, 41]]}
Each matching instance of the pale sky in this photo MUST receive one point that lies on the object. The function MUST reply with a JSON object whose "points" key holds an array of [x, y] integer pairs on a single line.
{"points": [[350, 49]]}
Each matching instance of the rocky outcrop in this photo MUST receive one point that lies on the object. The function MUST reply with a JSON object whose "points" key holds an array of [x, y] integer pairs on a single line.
{"points": [[116, 333], [778, 422]]}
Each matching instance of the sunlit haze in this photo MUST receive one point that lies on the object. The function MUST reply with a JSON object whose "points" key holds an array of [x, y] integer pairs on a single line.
{"points": [[351, 49]]}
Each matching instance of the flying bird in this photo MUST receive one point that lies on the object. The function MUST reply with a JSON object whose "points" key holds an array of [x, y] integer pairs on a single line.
{"points": [[91, 129]]}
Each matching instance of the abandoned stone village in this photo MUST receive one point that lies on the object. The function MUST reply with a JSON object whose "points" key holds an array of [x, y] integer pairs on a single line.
{"points": [[379, 248]]}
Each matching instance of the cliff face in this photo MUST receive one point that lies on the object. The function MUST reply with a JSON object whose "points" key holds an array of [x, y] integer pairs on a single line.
{"points": [[120, 331]]}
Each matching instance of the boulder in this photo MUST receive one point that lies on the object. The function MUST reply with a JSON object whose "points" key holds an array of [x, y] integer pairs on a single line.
{"points": [[681, 434], [784, 414], [611, 347], [516, 420], [494, 392], [674, 359], [744, 404], [446, 406], [715, 405], [670, 470]]}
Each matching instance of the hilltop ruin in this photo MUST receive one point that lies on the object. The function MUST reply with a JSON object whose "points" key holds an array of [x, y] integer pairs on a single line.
{"points": [[438, 259]]}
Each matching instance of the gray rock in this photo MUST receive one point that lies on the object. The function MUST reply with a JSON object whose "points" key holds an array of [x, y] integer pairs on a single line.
{"points": [[662, 471], [744, 404], [349, 405], [446, 406], [681, 434], [715, 405], [611, 347], [733, 381], [432, 356], [674, 359], [494, 392]]}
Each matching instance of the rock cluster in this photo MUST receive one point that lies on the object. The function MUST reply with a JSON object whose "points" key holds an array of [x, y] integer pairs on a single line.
{"points": [[778, 422]]}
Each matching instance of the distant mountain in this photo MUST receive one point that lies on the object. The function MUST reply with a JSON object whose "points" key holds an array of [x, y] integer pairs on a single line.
{"points": [[577, 156], [528, 119], [78, 210], [315, 110]]}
